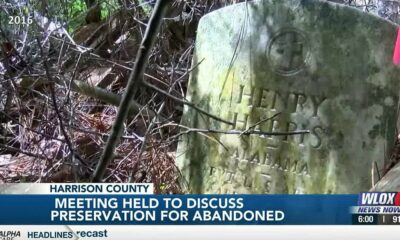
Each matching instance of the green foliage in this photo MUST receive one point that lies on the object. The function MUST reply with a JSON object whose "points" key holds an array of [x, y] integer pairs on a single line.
{"points": [[78, 11], [78, 7], [107, 8], [147, 9], [76, 14]]}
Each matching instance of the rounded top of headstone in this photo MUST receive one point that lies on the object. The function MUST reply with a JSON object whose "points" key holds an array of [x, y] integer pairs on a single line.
{"points": [[228, 9]]}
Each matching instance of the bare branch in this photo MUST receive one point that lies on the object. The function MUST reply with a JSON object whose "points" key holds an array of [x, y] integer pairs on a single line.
{"points": [[192, 105], [246, 132], [58, 114], [135, 79]]}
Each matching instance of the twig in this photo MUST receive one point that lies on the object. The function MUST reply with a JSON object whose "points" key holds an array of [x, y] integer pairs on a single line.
{"points": [[17, 150], [54, 101], [261, 121], [147, 135], [192, 105], [377, 171], [101, 94], [29, 129], [143, 145], [134, 137], [246, 132]]}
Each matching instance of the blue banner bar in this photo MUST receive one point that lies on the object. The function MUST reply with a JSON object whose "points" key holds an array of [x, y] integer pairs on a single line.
{"points": [[176, 209]]}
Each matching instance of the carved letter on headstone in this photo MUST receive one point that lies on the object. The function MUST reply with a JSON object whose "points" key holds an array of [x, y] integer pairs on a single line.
{"points": [[282, 66]]}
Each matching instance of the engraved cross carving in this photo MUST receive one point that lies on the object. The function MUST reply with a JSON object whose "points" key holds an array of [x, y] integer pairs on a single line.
{"points": [[290, 47]]}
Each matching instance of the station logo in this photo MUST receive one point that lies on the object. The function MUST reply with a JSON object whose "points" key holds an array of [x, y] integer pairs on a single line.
{"points": [[9, 235], [379, 199], [378, 203]]}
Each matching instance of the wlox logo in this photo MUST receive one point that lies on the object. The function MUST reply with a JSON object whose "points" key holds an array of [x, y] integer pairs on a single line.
{"points": [[379, 199]]}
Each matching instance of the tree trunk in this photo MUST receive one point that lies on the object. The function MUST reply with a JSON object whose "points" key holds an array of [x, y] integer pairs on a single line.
{"points": [[390, 182]]}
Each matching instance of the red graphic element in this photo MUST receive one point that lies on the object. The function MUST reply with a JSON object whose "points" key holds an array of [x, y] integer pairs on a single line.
{"points": [[397, 199], [396, 52]]}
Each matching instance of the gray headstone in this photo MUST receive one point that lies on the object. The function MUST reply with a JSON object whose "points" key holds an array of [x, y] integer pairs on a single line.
{"points": [[324, 67]]}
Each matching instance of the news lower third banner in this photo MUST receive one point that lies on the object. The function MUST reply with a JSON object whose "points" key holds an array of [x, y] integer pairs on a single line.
{"points": [[134, 204]]}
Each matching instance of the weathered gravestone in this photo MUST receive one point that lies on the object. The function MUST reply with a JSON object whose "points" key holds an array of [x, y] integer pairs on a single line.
{"points": [[324, 67]]}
